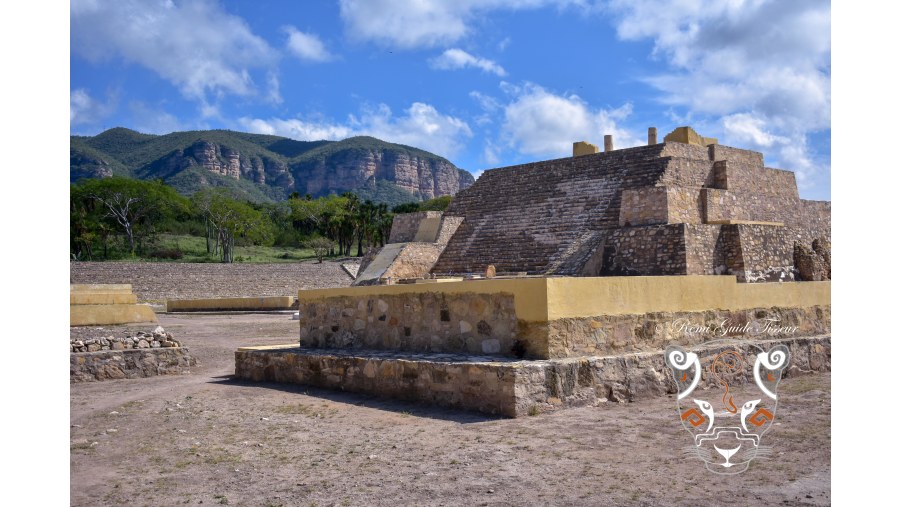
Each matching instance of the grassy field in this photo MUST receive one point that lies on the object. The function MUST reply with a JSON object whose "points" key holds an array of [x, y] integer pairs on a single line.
{"points": [[194, 250]]}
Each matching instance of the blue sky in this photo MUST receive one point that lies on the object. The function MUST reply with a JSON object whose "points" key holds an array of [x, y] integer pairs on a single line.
{"points": [[484, 83]]}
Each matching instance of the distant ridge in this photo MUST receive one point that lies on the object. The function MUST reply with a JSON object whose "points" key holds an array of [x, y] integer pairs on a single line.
{"points": [[266, 168]]}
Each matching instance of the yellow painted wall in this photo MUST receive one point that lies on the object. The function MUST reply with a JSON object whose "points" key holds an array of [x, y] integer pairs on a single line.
{"points": [[102, 298], [92, 315], [530, 293], [100, 287], [623, 295], [104, 304], [261, 303], [547, 299], [584, 148]]}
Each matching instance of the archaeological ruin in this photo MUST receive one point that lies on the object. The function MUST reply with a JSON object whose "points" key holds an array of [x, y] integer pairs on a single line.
{"points": [[680, 207], [559, 283]]}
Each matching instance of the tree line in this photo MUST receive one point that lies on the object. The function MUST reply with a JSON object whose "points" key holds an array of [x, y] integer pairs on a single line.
{"points": [[122, 217]]}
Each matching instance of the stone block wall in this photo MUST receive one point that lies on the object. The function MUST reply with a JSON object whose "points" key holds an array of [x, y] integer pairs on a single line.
{"points": [[448, 228], [427, 322], [735, 155], [767, 253], [813, 221], [509, 388], [414, 261], [618, 334], [751, 252], [688, 166], [484, 386], [645, 251], [563, 217], [529, 217], [705, 249], [661, 205], [685, 205], [644, 206], [549, 385], [406, 225], [133, 363]]}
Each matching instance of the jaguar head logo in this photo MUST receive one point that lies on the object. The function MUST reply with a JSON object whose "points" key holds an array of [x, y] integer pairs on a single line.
{"points": [[728, 419]]}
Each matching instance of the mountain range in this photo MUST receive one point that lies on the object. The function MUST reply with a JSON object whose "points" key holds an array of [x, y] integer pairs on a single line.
{"points": [[266, 168]]}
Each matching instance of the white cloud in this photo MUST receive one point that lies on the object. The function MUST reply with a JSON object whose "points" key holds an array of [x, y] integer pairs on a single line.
{"points": [[759, 69], [86, 110], [488, 104], [491, 154], [455, 58], [424, 23], [298, 129], [421, 126], [786, 151], [195, 45], [306, 46], [749, 129], [273, 92], [540, 123]]}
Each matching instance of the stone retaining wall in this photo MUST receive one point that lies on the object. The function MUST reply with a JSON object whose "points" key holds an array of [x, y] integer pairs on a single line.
{"points": [[134, 363], [157, 339], [550, 318], [618, 334], [572, 382], [429, 322], [493, 385], [480, 384]]}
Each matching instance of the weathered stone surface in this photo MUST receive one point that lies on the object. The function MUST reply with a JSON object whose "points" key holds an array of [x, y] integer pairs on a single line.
{"points": [[487, 323], [354, 168], [496, 385], [427, 322], [226, 161], [134, 363], [670, 208], [158, 338], [813, 264]]}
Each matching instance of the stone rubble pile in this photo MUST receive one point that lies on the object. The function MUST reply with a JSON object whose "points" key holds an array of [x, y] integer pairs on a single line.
{"points": [[156, 339]]}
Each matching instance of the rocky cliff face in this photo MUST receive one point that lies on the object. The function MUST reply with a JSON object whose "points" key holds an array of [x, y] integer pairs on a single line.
{"points": [[87, 166], [427, 178], [220, 159], [269, 166]]}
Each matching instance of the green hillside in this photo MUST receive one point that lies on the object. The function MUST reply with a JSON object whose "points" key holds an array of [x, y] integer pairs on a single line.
{"points": [[259, 167]]}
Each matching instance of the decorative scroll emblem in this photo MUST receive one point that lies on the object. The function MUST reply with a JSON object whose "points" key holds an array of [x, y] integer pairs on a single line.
{"points": [[727, 422]]}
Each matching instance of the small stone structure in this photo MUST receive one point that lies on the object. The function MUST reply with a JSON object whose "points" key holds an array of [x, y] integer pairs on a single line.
{"points": [[517, 345], [135, 363], [415, 243], [144, 354], [141, 340], [578, 273], [490, 384]]}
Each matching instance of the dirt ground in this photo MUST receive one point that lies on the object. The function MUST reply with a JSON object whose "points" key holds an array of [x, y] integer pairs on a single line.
{"points": [[203, 438]]}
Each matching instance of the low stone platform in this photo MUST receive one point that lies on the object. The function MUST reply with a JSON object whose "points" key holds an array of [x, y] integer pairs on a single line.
{"points": [[133, 363], [490, 384]]}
